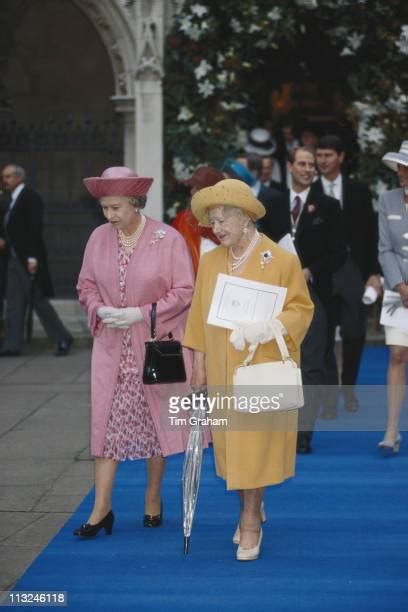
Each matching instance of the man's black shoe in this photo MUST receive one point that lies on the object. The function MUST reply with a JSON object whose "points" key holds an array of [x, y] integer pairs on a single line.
{"points": [[351, 403], [329, 414], [7, 353], [303, 446], [63, 347]]}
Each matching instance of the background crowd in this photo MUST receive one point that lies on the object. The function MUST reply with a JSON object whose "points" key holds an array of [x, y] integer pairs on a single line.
{"points": [[301, 179], [307, 193]]}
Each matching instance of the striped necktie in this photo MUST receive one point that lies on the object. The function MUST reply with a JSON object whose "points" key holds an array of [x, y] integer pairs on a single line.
{"points": [[296, 209]]}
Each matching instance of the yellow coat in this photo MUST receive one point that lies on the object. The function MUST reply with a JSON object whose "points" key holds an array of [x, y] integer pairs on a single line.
{"points": [[251, 459]]}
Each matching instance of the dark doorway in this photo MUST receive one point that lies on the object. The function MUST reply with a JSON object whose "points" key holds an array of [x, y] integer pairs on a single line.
{"points": [[57, 120]]}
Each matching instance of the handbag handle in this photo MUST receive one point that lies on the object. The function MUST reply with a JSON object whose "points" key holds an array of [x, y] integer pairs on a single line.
{"points": [[280, 341], [153, 321], [153, 314]]}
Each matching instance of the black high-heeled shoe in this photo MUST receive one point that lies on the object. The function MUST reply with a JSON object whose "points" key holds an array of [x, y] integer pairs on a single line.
{"points": [[90, 531], [154, 520]]}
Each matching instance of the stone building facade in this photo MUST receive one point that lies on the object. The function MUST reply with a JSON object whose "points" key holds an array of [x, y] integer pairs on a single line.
{"points": [[80, 90], [133, 33]]}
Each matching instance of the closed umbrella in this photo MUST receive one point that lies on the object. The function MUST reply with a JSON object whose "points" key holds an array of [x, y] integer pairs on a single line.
{"points": [[192, 468]]}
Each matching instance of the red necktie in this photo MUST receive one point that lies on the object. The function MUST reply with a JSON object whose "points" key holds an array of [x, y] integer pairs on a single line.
{"points": [[296, 208]]}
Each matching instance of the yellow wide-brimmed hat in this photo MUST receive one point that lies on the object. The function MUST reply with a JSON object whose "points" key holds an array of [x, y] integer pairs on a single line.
{"points": [[229, 192]]}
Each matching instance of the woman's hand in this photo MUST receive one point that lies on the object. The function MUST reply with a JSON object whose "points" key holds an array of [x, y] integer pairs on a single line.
{"points": [[105, 311], [199, 376], [375, 281], [257, 332], [122, 318], [402, 289]]}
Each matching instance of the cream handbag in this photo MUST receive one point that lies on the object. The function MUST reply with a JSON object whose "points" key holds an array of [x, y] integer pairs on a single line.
{"points": [[280, 381]]}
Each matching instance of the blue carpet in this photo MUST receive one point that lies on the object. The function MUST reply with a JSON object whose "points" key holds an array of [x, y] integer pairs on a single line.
{"points": [[335, 539]]}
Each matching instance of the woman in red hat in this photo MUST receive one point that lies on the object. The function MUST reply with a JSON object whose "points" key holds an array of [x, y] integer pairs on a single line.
{"points": [[130, 263]]}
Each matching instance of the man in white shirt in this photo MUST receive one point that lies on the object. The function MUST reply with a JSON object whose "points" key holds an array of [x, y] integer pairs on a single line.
{"points": [[21, 239], [315, 223], [3, 268], [260, 142], [261, 192], [360, 270]]}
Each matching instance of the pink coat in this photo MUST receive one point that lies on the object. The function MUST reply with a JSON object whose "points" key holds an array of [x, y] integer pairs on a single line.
{"points": [[160, 270]]}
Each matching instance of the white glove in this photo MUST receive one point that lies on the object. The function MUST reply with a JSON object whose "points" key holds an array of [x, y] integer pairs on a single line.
{"points": [[237, 339], [258, 332], [105, 311], [122, 318]]}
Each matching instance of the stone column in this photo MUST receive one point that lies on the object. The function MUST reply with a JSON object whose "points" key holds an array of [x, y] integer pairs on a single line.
{"points": [[149, 140], [133, 31], [126, 106], [149, 99]]}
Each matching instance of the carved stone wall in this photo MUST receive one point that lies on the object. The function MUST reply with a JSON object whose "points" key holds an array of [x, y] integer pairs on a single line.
{"points": [[121, 69]]}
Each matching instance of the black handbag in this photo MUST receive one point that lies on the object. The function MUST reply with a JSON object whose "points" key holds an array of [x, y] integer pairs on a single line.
{"points": [[164, 361]]}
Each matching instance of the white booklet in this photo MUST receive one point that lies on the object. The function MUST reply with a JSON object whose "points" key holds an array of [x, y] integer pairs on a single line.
{"points": [[239, 300], [393, 312]]}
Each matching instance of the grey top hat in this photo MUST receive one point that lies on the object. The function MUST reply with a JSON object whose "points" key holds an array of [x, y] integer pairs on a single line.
{"points": [[260, 142], [393, 159]]}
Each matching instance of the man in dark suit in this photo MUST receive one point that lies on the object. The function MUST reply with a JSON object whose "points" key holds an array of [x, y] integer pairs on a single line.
{"points": [[315, 223], [261, 143], [3, 267], [264, 194], [360, 270], [21, 238]]}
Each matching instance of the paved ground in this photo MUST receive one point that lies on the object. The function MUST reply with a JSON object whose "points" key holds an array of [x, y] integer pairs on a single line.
{"points": [[45, 470]]}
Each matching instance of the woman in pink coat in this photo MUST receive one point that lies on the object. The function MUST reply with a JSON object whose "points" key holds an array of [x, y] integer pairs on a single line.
{"points": [[129, 263]]}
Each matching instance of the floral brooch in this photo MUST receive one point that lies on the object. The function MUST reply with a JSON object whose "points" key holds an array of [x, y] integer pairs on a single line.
{"points": [[311, 208], [158, 235], [266, 257]]}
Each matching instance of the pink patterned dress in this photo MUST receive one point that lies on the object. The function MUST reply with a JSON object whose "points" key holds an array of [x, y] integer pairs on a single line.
{"points": [[130, 432]]}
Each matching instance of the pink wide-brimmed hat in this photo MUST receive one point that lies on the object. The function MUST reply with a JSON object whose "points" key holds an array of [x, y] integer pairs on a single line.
{"points": [[118, 181]]}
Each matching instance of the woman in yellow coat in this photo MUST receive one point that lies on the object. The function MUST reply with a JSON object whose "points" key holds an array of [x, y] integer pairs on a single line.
{"points": [[247, 460]]}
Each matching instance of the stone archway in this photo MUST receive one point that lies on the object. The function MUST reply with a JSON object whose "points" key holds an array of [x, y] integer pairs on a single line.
{"points": [[63, 62], [59, 123], [133, 33]]}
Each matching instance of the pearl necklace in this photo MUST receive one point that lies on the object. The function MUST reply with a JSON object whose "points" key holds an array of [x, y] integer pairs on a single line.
{"points": [[239, 260], [129, 242]]}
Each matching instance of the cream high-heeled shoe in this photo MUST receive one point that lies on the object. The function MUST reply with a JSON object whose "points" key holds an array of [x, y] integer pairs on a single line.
{"points": [[237, 535], [388, 447], [250, 554]]}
